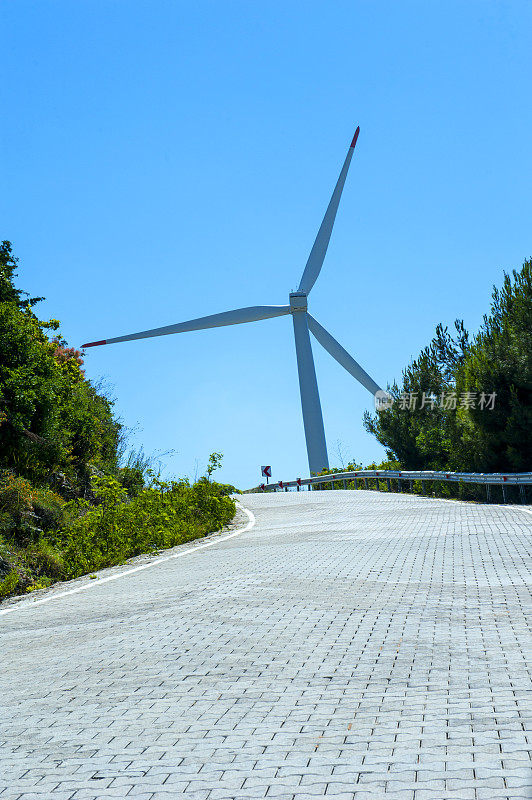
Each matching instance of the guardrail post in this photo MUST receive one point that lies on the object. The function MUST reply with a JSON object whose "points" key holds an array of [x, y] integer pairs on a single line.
{"points": [[522, 493], [423, 487], [488, 492], [345, 484], [365, 483], [389, 484], [503, 493]]}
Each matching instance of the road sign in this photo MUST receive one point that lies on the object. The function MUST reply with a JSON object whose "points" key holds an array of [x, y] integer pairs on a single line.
{"points": [[266, 472]]}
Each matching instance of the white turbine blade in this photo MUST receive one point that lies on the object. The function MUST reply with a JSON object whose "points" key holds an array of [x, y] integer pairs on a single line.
{"points": [[251, 314], [336, 350], [317, 254]]}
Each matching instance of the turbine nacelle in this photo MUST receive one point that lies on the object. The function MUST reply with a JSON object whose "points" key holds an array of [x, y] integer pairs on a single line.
{"points": [[298, 302]]}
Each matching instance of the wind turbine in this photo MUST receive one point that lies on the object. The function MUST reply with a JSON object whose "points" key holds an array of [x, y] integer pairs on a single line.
{"points": [[303, 323]]}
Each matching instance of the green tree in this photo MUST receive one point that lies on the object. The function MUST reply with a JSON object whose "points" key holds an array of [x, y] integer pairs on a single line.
{"points": [[52, 419], [8, 292], [498, 360], [417, 431]]}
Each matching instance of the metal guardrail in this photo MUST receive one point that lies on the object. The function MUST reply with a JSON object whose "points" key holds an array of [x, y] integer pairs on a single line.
{"points": [[521, 479]]}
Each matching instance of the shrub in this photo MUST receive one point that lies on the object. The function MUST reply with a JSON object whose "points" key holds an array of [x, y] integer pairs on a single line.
{"points": [[160, 516], [49, 508], [16, 495], [132, 479], [9, 584], [45, 560]]}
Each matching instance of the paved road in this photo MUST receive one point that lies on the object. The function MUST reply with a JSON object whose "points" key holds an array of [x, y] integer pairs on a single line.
{"points": [[351, 645]]}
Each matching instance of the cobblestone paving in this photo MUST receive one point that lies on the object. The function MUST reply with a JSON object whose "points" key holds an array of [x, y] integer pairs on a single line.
{"points": [[351, 645]]}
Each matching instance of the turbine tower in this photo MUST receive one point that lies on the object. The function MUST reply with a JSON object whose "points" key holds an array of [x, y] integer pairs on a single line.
{"points": [[303, 323]]}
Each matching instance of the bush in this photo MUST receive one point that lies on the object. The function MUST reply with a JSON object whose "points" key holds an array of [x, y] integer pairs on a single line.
{"points": [[9, 584], [45, 560], [16, 495], [225, 489], [26, 511], [49, 509], [132, 479], [160, 516], [96, 536]]}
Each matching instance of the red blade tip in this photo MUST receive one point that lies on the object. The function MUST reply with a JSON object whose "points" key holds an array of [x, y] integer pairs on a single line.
{"points": [[355, 137], [94, 344]]}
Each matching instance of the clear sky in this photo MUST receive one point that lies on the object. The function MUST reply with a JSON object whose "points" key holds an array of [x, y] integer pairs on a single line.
{"points": [[166, 160]]}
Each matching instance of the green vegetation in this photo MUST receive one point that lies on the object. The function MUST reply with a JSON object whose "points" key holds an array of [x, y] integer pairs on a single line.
{"points": [[70, 503], [463, 432], [54, 425]]}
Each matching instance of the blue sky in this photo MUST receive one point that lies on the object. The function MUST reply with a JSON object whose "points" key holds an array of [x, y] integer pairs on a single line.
{"points": [[167, 160]]}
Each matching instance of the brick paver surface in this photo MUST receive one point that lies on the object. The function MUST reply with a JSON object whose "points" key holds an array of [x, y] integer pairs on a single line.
{"points": [[351, 645]]}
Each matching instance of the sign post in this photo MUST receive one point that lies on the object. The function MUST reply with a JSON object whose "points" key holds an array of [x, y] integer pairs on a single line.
{"points": [[266, 472]]}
